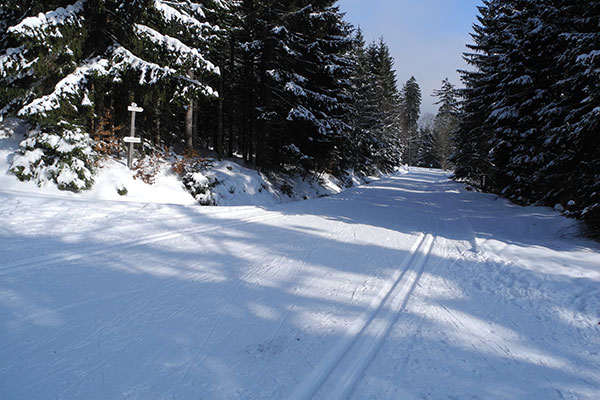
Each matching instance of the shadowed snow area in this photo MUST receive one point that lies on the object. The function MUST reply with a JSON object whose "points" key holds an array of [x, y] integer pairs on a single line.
{"points": [[408, 288]]}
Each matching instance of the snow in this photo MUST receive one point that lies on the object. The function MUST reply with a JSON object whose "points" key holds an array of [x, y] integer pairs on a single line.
{"points": [[237, 185], [409, 287], [150, 73], [70, 85], [589, 56], [14, 60], [43, 21], [175, 46], [172, 14], [294, 88]]}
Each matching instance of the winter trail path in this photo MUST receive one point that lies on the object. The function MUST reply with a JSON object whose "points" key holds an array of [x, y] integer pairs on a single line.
{"points": [[410, 287]]}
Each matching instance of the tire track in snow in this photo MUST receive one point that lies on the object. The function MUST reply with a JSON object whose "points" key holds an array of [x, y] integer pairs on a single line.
{"points": [[365, 337], [43, 261]]}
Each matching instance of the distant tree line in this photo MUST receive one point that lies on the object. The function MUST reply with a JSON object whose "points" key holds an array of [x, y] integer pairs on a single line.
{"points": [[530, 121]]}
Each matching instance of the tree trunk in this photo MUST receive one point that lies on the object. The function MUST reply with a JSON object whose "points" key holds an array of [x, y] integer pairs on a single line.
{"points": [[195, 129], [156, 124], [220, 112], [189, 122], [248, 107], [157, 130], [231, 104], [264, 128]]}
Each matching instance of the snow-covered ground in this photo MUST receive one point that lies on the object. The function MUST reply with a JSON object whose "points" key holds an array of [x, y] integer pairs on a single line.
{"points": [[408, 288]]}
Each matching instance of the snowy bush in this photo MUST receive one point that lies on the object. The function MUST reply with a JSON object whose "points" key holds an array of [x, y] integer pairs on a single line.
{"points": [[200, 186], [65, 158], [193, 173]]}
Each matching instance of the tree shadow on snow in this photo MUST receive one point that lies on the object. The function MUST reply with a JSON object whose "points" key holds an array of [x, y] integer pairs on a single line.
{"points": [[248, 311]]}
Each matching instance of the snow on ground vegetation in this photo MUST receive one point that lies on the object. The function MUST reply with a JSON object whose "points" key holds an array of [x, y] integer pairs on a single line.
{"points": [[227, 183]]}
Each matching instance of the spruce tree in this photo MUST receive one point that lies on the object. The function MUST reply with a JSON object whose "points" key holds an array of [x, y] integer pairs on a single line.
{"points": [[426, 154], [390, 132], [367, 115], [446, 123], [298, 54], [472, 141], [319, 87], [381, 103], [573, 119], [529, 48], [411, 110]]}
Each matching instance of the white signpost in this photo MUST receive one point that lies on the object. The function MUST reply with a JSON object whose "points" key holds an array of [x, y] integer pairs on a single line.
{"points": [[131, 139]]}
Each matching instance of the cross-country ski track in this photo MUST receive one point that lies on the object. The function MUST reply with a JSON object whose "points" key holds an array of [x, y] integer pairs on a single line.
{"points": [[410, 287]]}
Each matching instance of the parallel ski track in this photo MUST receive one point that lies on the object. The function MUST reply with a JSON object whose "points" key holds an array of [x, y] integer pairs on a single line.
{"points": [[44, 261], [363, 340]]}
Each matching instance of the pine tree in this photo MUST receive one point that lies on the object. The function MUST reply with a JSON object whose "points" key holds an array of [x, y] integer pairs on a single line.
{"points": [[367, 116], [411, 110], [473, 138], [446, 123], [381, 106]]}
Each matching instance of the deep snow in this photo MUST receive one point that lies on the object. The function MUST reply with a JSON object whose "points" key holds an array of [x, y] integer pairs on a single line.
{"points": [[408, 288]]}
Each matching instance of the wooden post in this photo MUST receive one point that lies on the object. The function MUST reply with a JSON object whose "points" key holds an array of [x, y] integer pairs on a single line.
{"points": [[132, 139]]}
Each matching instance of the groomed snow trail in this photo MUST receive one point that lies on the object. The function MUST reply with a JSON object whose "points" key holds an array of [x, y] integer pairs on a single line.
{"points": [[411, 287], [362, 341]]}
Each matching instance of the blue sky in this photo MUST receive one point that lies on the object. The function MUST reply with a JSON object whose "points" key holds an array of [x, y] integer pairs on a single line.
{"points": [[426, 37]]}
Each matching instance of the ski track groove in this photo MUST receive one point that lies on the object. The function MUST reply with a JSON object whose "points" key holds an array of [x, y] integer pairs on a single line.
{"points": [[390, 300], [43, 261], [382, 313]]}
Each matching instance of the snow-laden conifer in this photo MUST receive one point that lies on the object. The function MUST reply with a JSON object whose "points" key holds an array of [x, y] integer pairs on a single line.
{"points": [[75, 63], [530, 113], [435, 139], [411, 110]]}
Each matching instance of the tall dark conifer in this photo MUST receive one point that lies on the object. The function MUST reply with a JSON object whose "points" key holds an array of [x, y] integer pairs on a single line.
{"points": [[367, 115], [573, 145], [473, 138], [411, 110], [445, 124]]}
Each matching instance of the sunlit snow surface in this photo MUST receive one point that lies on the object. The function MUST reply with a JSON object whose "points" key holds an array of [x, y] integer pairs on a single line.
{"points": [[408, 288]]}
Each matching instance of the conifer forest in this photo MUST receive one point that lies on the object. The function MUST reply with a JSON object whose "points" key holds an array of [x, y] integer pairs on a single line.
{"points": [[290, 86]]}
